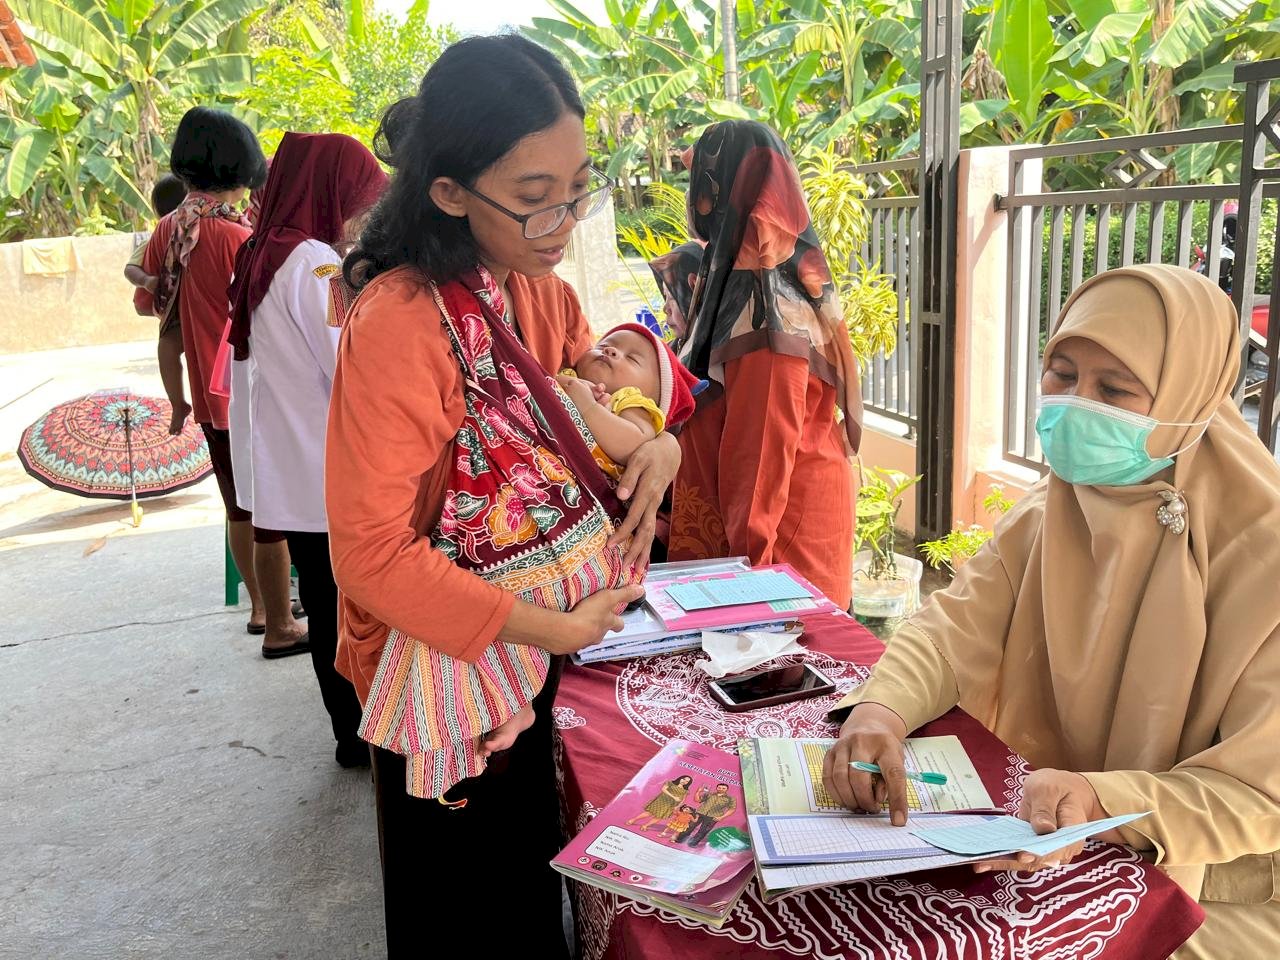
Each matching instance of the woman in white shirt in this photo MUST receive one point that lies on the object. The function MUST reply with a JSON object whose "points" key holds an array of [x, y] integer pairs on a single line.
{"points": [[319, 190]]}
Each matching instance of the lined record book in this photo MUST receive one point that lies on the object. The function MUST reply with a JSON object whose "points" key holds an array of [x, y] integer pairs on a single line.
{"points": [[675, 837], [803, 837], [722, 595]]}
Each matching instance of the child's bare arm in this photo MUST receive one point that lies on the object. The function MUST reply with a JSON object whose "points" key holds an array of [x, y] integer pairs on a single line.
{"points": [[619, 435], [140, 278], [623, 433]]}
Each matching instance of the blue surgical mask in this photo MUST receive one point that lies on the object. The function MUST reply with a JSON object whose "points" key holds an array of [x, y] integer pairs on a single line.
{"points": [[1097, 445]]}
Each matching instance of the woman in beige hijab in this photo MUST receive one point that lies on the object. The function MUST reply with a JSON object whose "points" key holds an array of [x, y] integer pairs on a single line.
{"points": [[1122, 629]]}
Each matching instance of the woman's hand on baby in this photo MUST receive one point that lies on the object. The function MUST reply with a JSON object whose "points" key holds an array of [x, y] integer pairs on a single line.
{"points": [[592, 618], [650, 471], [873, 734], [1051, 800]]}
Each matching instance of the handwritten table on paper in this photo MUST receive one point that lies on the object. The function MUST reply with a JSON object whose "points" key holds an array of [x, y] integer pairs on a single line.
{"points": [[765, 586], [802, 839]]}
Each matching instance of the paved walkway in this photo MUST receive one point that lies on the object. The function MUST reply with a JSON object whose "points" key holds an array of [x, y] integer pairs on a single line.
{"points": [[166, 792]]}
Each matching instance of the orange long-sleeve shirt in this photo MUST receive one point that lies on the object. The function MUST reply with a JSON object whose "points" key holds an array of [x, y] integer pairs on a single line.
{"points": [[764, 474], [397, 403]]}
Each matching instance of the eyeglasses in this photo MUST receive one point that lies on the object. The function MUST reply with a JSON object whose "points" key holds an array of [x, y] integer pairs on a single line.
{"points": [[548, 220]]}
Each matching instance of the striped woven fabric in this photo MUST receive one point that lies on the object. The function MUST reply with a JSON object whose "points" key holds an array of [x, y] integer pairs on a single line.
{"points": [[515, 514]]}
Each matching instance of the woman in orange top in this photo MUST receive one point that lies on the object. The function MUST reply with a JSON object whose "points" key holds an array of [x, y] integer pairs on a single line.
{"points": [[491, 175], [766, 470]]}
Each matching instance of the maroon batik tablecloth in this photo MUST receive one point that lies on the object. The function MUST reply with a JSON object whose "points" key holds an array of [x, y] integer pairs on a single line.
{"points": [[612, 718]]}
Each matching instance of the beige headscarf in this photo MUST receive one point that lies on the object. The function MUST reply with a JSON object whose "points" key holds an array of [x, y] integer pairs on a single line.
{"points": [[1090, 637]]}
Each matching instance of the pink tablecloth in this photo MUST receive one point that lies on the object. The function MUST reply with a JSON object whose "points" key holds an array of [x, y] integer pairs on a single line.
{"points": [[611, 718]]}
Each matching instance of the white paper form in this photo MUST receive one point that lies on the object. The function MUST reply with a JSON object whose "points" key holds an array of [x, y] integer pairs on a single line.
{"points": [[777, 880], [850, 838]]}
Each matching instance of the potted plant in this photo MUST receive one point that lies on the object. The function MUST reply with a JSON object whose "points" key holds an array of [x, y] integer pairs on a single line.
{"points": [[953, 550], [886, 584]]}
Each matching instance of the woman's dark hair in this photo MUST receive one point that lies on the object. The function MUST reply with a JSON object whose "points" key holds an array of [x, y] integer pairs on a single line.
{"points": [[212, 150], [478, 100], [167, 195], [685, 777]]}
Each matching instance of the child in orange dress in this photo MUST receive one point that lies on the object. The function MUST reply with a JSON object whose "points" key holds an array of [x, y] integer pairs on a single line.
{"points": [[680, 821]]}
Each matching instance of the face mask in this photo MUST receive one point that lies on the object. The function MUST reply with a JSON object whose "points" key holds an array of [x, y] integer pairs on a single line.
{"points": [[1096, 445]]}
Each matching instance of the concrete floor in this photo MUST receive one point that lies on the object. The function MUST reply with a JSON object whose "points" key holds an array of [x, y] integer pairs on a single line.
{"points": [[165, 791]]}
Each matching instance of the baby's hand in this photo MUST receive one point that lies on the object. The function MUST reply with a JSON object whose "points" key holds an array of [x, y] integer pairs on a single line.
{"points": [[581, 392]]}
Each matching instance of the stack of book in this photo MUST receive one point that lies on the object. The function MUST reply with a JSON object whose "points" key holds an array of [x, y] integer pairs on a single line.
{"points": [[804, 838], [675, 837], [728, 596]]}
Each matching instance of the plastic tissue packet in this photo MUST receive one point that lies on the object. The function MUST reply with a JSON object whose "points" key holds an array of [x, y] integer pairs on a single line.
{"points": [[738, 652]]}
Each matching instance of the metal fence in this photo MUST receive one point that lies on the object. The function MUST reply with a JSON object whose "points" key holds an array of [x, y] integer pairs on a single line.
{"points": [[894, 214], [1058, 239]]}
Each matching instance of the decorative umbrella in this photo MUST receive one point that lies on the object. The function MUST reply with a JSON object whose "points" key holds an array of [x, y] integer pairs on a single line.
{"points": [[115, 445]]}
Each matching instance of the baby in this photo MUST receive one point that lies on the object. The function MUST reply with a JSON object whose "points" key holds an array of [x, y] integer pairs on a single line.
{"points": [[629, 388]]}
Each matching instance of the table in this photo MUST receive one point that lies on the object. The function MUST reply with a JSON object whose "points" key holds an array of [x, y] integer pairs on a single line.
{"points": [[610, 720]]}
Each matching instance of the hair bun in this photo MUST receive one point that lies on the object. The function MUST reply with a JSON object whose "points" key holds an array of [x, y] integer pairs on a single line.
{"points": [[392, 128]]}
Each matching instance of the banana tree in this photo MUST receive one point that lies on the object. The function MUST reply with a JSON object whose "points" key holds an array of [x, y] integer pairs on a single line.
{"points": [[1112, 67], [647, 74], [110, 62], [855, 66], [315, 71]]}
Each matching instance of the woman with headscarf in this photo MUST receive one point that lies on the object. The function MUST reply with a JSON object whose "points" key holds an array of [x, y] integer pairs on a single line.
{"points": [[765, 471], [1122, 629], [318, 191]]}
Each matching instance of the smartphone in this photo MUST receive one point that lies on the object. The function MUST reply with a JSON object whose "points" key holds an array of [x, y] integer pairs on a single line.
{"points": [[765, 688]]}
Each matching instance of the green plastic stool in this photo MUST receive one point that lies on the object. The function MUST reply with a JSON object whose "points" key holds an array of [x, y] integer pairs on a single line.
{"points": [[231, 573]]}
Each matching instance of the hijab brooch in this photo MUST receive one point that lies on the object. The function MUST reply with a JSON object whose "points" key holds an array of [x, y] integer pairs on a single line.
{"points": [[1172, 513]]}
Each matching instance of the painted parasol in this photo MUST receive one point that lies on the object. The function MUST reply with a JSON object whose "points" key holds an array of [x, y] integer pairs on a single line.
{"points": [[115, 445]]}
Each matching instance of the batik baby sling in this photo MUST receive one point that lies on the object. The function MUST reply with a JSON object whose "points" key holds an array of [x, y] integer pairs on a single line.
{"points": [[526, 508]]}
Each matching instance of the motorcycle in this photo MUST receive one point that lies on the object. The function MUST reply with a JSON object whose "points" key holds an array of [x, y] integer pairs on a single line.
{"points": [[1226, 249]]}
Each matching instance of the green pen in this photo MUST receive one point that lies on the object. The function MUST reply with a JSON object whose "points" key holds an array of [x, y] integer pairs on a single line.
{"points": [[937, 779]]}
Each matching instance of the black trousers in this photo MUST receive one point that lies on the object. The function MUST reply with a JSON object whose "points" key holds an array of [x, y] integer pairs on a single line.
{"points": [[482, 869], [698, 830], [319, 595]]}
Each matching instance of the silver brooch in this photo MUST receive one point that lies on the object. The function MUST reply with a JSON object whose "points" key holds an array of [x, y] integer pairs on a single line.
{"points": [[1173, 512]]}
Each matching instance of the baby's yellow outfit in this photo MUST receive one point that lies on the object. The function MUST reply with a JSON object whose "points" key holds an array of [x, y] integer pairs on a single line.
{"points": [[627, 398]]}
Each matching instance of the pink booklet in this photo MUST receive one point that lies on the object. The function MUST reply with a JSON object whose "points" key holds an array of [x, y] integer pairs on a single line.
{"points": [[675, 837], [678, 620]]}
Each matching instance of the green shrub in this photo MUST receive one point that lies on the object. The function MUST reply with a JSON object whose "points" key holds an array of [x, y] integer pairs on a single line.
{"points": [[1264, 253]]}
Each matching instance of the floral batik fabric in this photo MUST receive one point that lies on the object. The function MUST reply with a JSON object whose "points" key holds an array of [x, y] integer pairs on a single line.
{"points": [[526, 508]]}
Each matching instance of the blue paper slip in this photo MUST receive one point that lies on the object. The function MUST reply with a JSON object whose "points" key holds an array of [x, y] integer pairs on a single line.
{"points": [[1009, 833], [764, 587]]}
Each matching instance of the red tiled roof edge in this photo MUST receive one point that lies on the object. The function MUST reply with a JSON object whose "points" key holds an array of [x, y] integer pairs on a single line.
{"points": [[14, 49]]}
